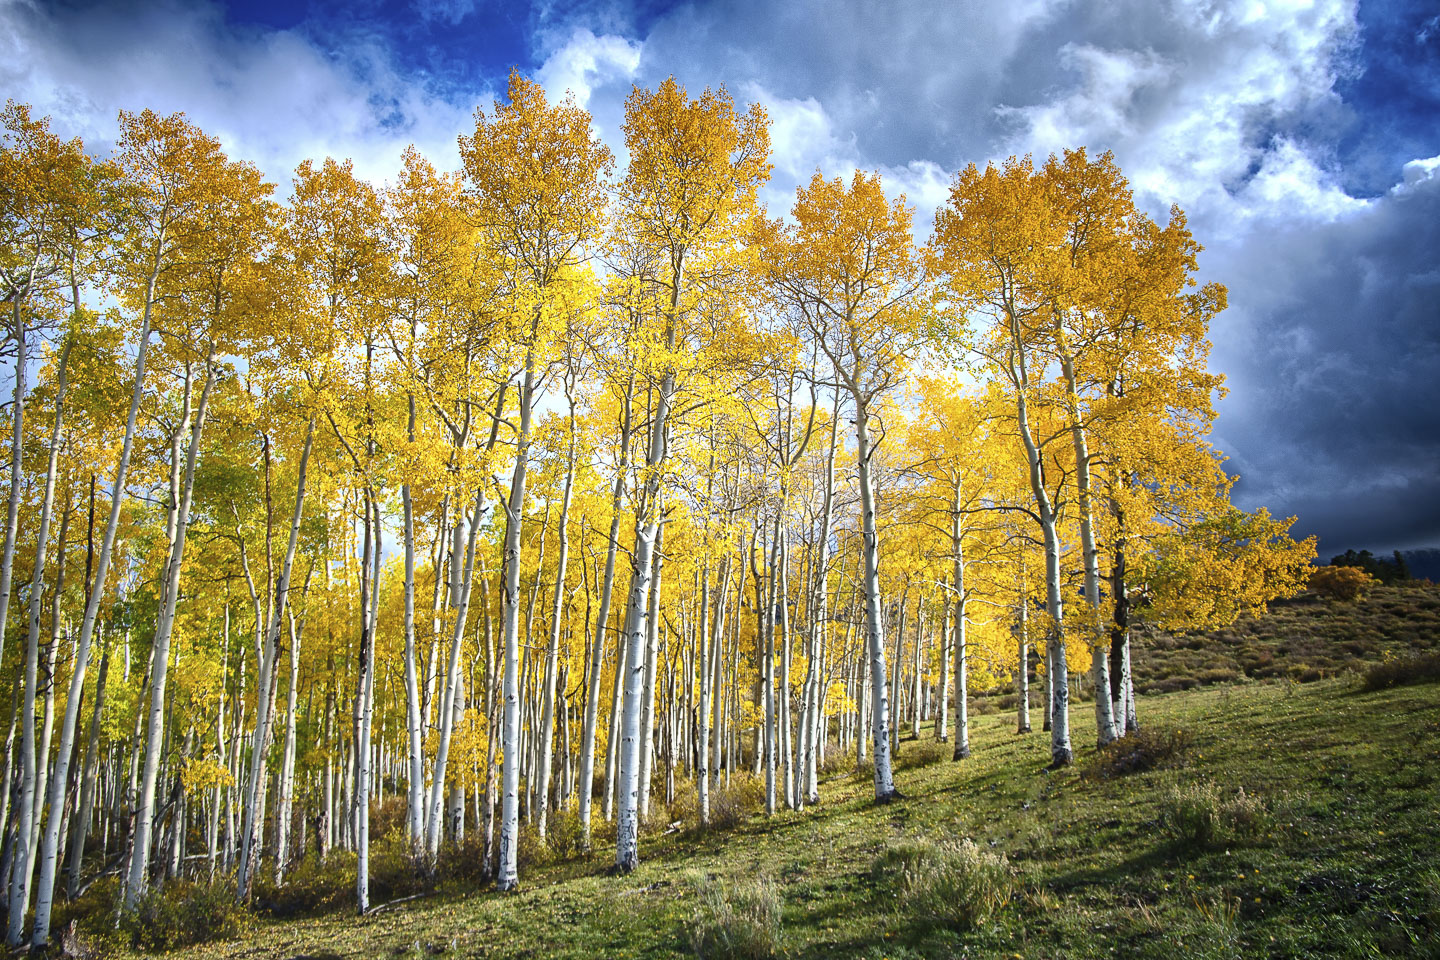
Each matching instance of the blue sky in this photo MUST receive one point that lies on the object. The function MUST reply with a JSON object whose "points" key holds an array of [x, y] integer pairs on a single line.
{"points": [[1302, 138]]}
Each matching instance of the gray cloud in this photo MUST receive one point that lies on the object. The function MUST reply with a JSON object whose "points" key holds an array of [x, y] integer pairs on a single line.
{"points": [[1332, 347]]}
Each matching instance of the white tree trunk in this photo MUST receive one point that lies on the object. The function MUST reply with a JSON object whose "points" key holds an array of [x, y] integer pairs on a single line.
{"points": [[19, 891], [602, 624], [80, 822], [165, 622], [962, 653], [1099, 655], [1022, 676], [652, 653], [365, 699], [507, 877], [627, 854], [17, 439], [1059, 678], [252, 818], [414, 740], [287, 763], [462, 569], [552, 653], [880, 696]]}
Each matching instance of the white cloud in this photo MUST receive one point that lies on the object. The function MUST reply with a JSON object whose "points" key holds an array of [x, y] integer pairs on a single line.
{"points": [[271, 97], [802, 137], [1289, 184], [1417, 172], [1197, 107], [584, 62]]}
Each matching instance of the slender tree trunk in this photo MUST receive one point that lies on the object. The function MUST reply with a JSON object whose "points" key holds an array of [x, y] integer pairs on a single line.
{"points": [[1022, 639], [552, 653], [942, 720], [365, 703], [709, 661], [415, 739], [508, 876], [880, 696], [492, 722], [80, 822], [1121, 682], [820, 625], [24, 864], [1058, 677], [597, 649], [962, 652], [917, 679], [627, 845], [50, 841], [782, 693], [287, 764], [139, 879], [652, 652], [462, 564], [17, 439], [253, 819], [1099, 661]]}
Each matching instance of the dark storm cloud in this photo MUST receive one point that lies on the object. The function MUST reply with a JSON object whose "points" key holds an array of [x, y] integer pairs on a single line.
{"points": [[1336, 371]]}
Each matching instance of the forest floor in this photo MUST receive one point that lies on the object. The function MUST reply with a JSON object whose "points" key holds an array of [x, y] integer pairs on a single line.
{"points": [[1338, 855]]}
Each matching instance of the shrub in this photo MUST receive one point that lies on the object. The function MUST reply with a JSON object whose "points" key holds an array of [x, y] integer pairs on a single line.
{"points": [[836, 759], [530, 850], [732, 805], [563, 834], [683, 809], [310, 887], [1201, 814], [738, 923], [949, 884], [984, 706], [1144, 749], [182, 914], [463, 862], [923, 753], [1419, 668], [1346, 584]]}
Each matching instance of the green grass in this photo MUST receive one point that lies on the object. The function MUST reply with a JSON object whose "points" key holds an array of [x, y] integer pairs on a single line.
{"points": [[1345, 862]]}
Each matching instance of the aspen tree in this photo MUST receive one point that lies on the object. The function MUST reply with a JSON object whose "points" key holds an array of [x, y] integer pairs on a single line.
{"points": [[535, 169], [987, 242], [695, 167], [850, 270], [428, 227], [332, 234]]}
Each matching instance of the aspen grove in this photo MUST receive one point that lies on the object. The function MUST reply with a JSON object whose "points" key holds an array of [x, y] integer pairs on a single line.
{"points": [[559, 490]]}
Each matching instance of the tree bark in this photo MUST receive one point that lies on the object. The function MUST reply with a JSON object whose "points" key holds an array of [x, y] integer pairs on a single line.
{"points": [[268, 659], [507, 878], [165, 622], [870, 548]]}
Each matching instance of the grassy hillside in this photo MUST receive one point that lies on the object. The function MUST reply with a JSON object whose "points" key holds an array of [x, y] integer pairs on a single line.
{"points": [[1305, 639], [1333, 849]]}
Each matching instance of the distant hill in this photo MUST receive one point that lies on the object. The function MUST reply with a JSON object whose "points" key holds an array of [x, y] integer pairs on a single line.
{"points": [[1423, 564]]}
